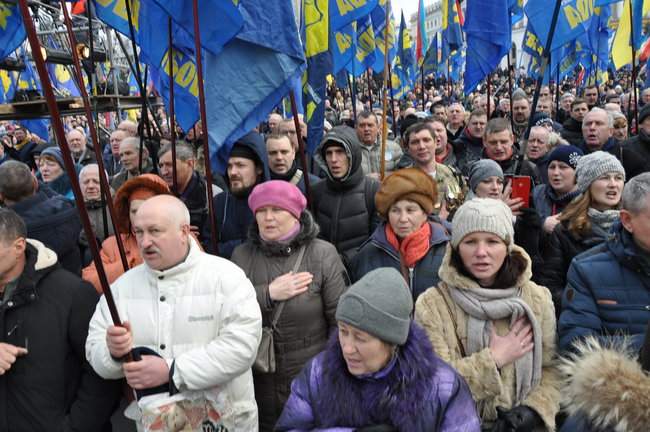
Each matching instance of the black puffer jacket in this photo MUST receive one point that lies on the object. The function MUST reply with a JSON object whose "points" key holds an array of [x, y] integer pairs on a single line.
{"points": [[52, 387], [345, 208], [306, 319], [572, 131], [54, 221], [468, 150]]}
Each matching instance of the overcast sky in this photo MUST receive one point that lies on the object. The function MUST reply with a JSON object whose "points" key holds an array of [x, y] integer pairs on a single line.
{"points": [[409, 7]]}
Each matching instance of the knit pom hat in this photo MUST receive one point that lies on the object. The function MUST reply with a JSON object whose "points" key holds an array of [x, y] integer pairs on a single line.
{"points": [[407, 184], [278, 193], [568, 154], [380, 303], [595, 164], [483, 169], [483, 215]]}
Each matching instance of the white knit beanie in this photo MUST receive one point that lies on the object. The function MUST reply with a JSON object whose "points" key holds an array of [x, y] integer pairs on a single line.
{"points": [[483, 215], [593, 165]]}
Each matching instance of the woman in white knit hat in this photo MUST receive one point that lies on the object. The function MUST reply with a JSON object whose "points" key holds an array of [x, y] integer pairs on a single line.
{"points": [[585, 221], [492, 323]]}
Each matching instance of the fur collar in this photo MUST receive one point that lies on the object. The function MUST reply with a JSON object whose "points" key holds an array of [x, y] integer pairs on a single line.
{"points": [[608, 386], [390, 396], [308, 231], [452, 277]]}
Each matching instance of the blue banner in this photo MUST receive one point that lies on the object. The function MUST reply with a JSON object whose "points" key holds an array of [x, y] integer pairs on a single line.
{"points": [[12, 30], [378, 17], [573, 20], [345, 12]]}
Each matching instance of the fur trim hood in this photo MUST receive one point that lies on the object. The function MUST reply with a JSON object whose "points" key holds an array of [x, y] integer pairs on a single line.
{"points": [[45, 257], [608, 386], [450, 275], [308, 231]]}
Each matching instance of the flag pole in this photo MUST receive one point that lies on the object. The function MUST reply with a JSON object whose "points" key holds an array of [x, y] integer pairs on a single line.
{"points": [[384, 128], [172, 112], [103, 179], [422, 75], [368, 78], [392, 101], [204, 127], [557, 93], [634, 70], [489, 101], [510, 69], [59, 132], [301, 148], [449, 78], [542, 71], [354, 96]]}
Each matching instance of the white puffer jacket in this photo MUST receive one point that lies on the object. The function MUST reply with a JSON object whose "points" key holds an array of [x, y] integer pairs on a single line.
{"points": [[203, 314]]}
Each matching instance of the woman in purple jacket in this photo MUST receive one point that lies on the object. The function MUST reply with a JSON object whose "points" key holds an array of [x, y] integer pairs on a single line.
{"points": [[378, 372]]}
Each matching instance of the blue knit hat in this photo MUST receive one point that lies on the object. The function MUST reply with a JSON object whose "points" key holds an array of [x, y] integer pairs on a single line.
{"points": [[54, 152], [566, 153]]}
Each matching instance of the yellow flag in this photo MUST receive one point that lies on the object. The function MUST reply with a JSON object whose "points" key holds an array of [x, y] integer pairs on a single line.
{"points": [[316, 26], [621, 48]]}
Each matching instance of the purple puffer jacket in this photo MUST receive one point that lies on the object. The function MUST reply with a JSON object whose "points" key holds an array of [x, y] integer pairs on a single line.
{"points": [[415, 392]]}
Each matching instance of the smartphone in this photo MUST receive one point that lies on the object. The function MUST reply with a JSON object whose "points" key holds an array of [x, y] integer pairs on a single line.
{"points": [[521, 186]]}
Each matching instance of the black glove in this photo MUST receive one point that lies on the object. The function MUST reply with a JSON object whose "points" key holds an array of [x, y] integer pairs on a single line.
{"points": [[530, 218], [377, 428], [519, 419]]}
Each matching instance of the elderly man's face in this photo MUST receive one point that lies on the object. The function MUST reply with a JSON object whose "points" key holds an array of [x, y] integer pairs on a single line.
{"points": [[89, 182], [456, 114], [639, 225], [566, 102], [76, 141], [595, 130], [162, 238], [129, 156], [537, 143], [116, 140]]}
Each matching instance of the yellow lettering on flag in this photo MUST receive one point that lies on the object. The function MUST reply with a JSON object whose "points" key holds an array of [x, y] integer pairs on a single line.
{"points": [[6, 80], [316, 26], [347, 6], [5, 12], [62, 73], [343, 41], [119, 9], [579, 14], [445, 14]]}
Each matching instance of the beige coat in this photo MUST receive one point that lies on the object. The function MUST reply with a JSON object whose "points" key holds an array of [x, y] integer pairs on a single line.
{"points": [[491, 388]]}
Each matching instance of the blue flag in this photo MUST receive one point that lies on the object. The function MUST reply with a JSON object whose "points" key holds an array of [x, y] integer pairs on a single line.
{"points": [[488, 39], [516, 10], [342, 47], [62, 80], [345, 12], [405, 48], [378, 17], [363, 46], [573, 20], [251, 75], [39, 127], [430, 63], [452, 35], [12, 30]]}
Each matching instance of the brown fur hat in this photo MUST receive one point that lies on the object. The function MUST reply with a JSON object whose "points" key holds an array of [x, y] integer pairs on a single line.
{"points": [[407, 184]]}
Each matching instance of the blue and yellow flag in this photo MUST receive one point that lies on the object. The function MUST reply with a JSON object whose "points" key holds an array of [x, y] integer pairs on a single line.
{"points": [[624, 38], [516, 10], [345, 12], [378, 17], [430, 63], [488, 39], [363, 46], [251, 75], [405, 49], [12, 30], [62, 80], [342, 47], [452, 35]]}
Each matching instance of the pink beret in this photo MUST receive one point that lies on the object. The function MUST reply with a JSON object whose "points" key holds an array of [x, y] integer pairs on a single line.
{"points": [[278, 193]]}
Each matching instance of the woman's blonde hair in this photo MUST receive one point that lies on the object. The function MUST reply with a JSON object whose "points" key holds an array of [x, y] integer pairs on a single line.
{"points": [[576, 214]]}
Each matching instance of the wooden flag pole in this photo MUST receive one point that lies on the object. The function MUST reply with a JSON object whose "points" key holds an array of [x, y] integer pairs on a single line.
{"points": [[172, 112], [384, 129], [634, 70], [301, 148]]}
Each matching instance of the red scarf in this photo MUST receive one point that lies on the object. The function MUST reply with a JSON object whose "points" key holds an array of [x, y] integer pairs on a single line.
{"points": [[414, 247], [440, 158]]}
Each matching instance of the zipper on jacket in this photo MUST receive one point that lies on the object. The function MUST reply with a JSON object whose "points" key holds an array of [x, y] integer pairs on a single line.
{"points": [[411, 270]]}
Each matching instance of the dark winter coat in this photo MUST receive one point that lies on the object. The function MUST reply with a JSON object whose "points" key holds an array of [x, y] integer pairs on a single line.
{"points": [[547, 202], [632, 162], [560, 249], [52, 388], [345, 208], [607, 293], [25, 154], [296, 173], [468, 150], [572, 131], [640, 145], [232, 214], [306, 319], [54, 221], [378, 252], [542, 167], [415, 392], [195, 198]]}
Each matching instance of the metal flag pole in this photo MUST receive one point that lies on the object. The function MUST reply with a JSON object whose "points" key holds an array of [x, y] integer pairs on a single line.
{"points": [[557, 93], [103, 179], [542, 72], [422, 75], [172, 128], [489, 101], [512, 121], [384, 129], [634, 70], [301, 148], [204, 127], [392, 101], [59, 132], [369, 79]]}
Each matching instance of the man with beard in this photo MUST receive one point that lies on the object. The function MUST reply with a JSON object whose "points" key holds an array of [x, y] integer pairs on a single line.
{"points": [[247, 167], [191, 185], [470, 143], [520, 114], [283, 164], [572, 127]]}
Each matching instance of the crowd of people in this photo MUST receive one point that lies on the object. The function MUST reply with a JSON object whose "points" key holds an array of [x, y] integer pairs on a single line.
{"points": [[471, 275]]}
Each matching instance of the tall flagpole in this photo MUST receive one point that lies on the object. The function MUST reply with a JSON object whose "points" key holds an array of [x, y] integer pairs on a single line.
{"points": [[59, 132], [369, 77], [557, 93], [634, 70], [103, 179], [510, 70], [392, 102], [384, 130], [172, 111], [204, 127], [301, 148]]}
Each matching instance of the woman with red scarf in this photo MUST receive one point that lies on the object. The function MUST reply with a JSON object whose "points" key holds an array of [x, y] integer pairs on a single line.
{"points": [[407, 240]]}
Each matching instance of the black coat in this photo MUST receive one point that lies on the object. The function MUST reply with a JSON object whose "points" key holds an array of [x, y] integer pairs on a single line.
{"points": [[572, 131], [345, 208], [52, 387], [468, 150], [640, 146], [54, 221]]}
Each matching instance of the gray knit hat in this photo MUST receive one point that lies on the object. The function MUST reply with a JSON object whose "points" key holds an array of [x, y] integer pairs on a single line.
{"points": [[379, 303], [593, 165], [482, 169], [483, 215]]}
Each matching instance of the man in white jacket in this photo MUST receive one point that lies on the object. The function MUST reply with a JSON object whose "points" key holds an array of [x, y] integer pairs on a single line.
{"points": [[198, 311]]}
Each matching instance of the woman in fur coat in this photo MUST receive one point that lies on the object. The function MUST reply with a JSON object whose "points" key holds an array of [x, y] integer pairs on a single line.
{"points": [[492, 324], [378, 372], [308, 294]]}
